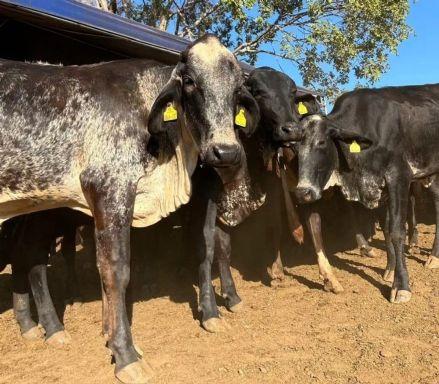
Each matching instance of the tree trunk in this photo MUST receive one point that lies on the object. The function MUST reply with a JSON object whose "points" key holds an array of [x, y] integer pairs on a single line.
{"points": [[127, 7], [163, 23]]}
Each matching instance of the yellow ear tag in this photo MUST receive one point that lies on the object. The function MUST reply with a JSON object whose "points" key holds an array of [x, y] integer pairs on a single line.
{"points": [[170, 113], [354, 147], [240, 119], [302, 109]]}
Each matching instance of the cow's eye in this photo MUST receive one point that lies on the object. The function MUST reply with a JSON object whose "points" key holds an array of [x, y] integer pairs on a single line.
{"points": [[321, 143], [188, 82]]}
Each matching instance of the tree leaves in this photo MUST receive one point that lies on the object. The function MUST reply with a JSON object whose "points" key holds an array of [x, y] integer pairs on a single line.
{"points": [[328, 40]]}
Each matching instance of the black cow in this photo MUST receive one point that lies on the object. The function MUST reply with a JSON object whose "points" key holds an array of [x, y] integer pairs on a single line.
{"points": [[307, 105], [373, 144], [77, 137], [26, 242], [224, 198]]}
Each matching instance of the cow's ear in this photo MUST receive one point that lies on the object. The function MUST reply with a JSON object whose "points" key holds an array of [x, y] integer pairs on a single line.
{"points": [[293, 89], [356, 141], [166, 108], [247, 112]]}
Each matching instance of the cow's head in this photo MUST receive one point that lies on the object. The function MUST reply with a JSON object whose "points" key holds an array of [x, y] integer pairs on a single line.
{"points": [[275, 93], [207, 88], [319, 146]]}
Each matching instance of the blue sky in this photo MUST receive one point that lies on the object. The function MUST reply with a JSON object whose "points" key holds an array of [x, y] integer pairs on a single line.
{"points": [[417, 61]]}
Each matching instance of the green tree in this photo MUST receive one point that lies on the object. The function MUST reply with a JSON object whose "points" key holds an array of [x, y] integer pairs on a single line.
{"points": [[328, 40]]}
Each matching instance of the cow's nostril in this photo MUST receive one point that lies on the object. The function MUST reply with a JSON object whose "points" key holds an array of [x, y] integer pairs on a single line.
{"points": [[307, 194], [287, 129], [226, 154], [218, 152]]}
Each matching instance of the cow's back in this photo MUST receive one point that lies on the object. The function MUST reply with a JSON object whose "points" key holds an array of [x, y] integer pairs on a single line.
{"points": [[402, 122]]}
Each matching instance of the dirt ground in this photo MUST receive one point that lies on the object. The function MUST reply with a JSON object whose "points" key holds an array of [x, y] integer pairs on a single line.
{"points": [[294, 333]]}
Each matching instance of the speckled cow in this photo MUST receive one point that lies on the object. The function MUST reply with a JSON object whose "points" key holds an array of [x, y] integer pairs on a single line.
{"points": [[78, 137]]}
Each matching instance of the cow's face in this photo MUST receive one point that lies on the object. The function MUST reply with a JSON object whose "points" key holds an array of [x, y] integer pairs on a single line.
{"points": [[207, 87], [275, 93], [318, 150]]}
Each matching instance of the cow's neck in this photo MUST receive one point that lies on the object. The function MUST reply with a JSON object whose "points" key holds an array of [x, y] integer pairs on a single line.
{"points": [[167, 186], [243, 194], [360, 185]]}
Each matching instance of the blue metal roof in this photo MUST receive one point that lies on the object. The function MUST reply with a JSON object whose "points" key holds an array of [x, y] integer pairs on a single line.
{"points": [[75, 14]]}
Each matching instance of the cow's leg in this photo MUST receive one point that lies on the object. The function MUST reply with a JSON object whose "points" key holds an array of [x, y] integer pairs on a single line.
{"points": [[389, 273], [105, 314], [398, 201], [433, 261], [112, 208], [20, 296], [411, 219], [331, 283], [222, 254], [276, 270], [68, 250], [274, 233], [365, 249], [210, 318], [47, 316]]}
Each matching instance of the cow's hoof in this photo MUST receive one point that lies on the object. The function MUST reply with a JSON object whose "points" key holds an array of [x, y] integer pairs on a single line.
{"points": [[134, 373], [276, 272], [367, 252], [216, 325], [59, 339], [432, 262], [237, 307], [400, 296], [389, 275], [333, 286], [35, 333], [412, 248]]}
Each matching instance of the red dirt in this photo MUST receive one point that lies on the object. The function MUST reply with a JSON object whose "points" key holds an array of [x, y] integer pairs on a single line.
{"points": [[294, 333]]}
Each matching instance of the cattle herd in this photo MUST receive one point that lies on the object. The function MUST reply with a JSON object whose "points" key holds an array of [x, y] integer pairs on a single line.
{"points": [[128, 142]]}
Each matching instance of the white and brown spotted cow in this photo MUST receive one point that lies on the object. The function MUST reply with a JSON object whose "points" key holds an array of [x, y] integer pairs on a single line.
{"points": [[77, 137]]}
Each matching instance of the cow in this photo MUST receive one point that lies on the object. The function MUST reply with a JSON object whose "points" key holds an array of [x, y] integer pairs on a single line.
{"points": [[118, 141], [223, 198], [373, 144], [307, 105], [26, 242]]}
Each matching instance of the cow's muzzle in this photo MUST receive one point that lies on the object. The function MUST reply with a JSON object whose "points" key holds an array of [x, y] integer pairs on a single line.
{"points": [[222, 155], [288, 132], [307, 194]]}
